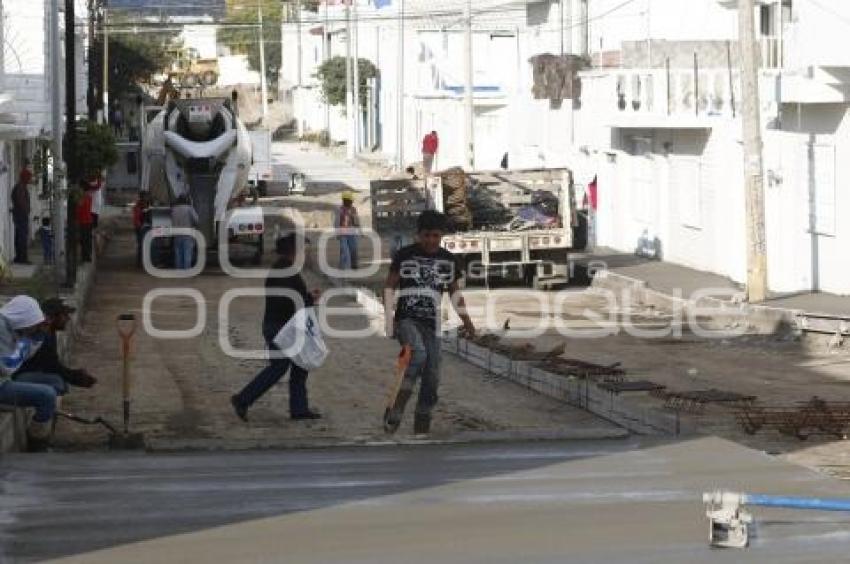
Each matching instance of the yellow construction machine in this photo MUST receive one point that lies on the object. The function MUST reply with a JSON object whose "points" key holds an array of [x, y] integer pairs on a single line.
{"points": [[189, 70]]}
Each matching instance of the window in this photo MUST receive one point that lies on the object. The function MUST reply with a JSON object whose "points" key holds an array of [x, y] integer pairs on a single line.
{"points": [[132, 163], [822, 189], [766, 20]]}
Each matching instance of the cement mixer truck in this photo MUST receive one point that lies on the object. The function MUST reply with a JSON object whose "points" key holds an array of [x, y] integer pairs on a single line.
{"points": [[200, 149]]}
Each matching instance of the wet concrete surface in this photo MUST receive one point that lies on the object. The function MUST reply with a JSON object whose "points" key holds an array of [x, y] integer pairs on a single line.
{"points": [[60, 504], [613, 501]]}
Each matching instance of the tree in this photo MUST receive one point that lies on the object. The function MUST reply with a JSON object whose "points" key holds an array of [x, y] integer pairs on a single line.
{"points": [[94, 149], [135, 58], [243, 38], [332, 75]]}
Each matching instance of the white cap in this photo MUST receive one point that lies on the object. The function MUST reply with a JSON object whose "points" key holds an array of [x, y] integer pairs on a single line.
{"points": [[22, 312]]}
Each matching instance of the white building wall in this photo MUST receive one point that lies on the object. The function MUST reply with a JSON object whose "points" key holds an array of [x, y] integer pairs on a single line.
{"points": [[808, 235], [234, 69], [814, 36], [687, 190], [673, 20]]}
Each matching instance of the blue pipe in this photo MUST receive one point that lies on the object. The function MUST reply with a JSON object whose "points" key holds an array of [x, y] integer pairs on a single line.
{"points": [[796, 502]]}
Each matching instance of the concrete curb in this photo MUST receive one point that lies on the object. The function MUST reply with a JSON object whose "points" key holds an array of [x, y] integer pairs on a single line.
{"points": [[468, 437], [637, 412]]}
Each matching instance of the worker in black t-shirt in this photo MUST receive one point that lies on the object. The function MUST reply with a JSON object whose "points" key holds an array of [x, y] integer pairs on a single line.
{"points": [[418, 276]]}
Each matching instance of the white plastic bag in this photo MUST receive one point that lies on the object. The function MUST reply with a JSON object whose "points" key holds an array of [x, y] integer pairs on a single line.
{"points": [[301, 340]]}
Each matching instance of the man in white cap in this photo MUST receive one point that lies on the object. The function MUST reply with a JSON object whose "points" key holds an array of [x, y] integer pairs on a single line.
{"points": [[21, 320]]}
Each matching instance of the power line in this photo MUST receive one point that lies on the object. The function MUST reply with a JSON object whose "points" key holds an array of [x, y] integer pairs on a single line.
{"points": [[156, 26], [380, 17]]}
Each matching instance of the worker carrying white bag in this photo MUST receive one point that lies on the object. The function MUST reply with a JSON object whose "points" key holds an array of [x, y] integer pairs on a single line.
{"points": [[291, 331], [301, 340]]}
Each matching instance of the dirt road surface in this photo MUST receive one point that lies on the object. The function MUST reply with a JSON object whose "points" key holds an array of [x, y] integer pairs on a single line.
{"points": [[182, 387]]}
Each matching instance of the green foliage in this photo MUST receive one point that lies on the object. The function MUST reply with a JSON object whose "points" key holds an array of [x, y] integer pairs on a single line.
{"points": [[94, 149], [245, 40], [321, 138], [135, 58], [332, 75]]}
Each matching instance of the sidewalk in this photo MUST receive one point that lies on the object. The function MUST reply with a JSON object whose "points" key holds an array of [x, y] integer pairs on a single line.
{"points": [[670, 279], [43, 282]]}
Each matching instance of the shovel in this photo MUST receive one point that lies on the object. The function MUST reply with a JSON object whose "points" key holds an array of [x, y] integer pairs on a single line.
{"points": [[126, 327]]}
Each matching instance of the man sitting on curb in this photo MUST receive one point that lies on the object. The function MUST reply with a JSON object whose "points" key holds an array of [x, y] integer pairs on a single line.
{"points": [[45, 366], [21, 320]]}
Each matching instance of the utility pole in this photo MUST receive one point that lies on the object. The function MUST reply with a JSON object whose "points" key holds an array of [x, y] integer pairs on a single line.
{"points": [[349, 91], [92, 92], [561, 9], [298, 42], [326, 55], [264, 89], [469, 91], [356, 82], [104, 116], [57, 210], [649, 34], [71, 141], [583, 16], [753, 160], [400, 90]]}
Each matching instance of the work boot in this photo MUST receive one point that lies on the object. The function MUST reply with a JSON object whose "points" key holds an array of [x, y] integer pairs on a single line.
{"points": [[240, 410], [392, 416], [306, 415], [392, 421], [421, 424], [38, 436]]}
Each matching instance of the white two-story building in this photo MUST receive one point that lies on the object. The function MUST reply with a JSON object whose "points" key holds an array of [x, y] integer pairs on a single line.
{"points": [[660, 127]]}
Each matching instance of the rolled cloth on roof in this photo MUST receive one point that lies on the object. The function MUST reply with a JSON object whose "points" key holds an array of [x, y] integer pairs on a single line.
{"points": [[22, 312]]}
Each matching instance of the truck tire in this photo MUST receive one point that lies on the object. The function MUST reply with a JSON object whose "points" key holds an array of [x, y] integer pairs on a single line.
{"points": [[263, 188], [580, 231], [189, 80], [209, 78], [532, 278], [258, 255]]}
